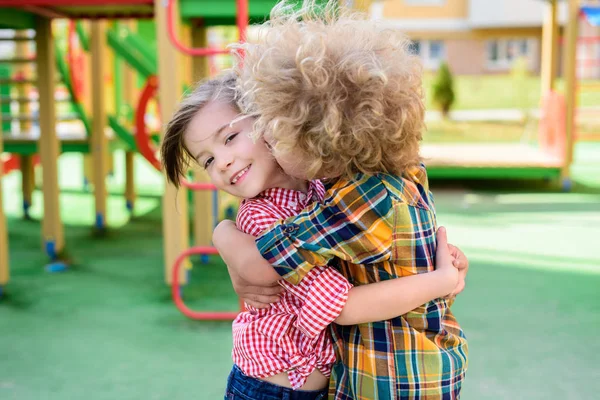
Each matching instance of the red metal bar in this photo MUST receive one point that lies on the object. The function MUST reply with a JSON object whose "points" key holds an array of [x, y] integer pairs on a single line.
{"points": [[583, 39], [76, 60], [176, 292], [589, 62], [242, 24], [12, 163], [142, 139]]}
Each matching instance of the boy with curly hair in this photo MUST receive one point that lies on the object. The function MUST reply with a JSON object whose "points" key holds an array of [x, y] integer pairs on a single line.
{"points": [[338, 97]]}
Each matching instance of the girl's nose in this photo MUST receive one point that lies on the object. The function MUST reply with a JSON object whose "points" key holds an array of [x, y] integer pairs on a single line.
{"points": [[224, 163]]}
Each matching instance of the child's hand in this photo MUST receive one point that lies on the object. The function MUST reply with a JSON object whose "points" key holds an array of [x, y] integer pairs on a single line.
{"points": [[444, 261], [462, 263], [255, 296]]}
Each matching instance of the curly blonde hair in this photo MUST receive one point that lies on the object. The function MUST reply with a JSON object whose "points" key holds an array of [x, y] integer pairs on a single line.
{"points": [[337, 88]]}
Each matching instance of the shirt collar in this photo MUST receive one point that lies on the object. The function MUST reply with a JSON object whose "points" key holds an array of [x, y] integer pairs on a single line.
{"points": [[293, 198]]}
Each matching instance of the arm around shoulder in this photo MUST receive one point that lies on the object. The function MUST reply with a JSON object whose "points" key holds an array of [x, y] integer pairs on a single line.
{"points": [[239, 252], [389, 299]]}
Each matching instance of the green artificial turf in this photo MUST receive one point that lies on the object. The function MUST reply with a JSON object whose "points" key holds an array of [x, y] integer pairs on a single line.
{"points": [[107, 329]]}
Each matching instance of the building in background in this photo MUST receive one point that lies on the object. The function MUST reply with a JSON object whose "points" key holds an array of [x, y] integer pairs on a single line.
{"points": [[480, 36]]}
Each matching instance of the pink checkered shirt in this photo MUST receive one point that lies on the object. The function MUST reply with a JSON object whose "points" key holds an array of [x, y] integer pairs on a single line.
{"points": [[291, 336]]}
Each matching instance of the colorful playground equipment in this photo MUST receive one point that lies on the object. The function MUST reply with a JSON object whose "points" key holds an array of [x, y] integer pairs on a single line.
{"points": [[588, 65], [552, 155], [107, 33], [180, 56]]}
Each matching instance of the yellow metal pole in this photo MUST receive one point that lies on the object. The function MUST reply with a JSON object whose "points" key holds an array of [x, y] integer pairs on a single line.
{"points": [[175, 209], [27, 182], [24, 70], [549, 47], [4, 267], [98, 140], [53, 236], [570, 55], [129, 99], [203, 216], [108, 84]]}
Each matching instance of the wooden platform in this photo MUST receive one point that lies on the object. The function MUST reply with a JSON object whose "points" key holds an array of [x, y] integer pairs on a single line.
{"points": [[19, 14], [71, 138], [481, 160]]}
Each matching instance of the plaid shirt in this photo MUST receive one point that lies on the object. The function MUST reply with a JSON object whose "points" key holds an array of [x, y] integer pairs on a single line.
{"points": [[375, 228], [291, 336]]}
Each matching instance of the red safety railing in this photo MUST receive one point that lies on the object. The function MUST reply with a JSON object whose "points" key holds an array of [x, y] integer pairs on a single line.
{"points": [[176, 289], [142, 140], [552, 132], [241, 22], [142, 136], [12, 163], [76, 61]]}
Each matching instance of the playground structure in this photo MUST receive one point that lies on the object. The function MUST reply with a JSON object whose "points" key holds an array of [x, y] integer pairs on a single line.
{"points": [[164, 72], [129, 49], [552, 155], [180, 28]]}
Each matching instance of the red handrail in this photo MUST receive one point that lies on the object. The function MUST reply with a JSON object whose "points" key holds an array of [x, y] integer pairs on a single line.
{"points": [[76, 62], [241, 21], [142, 139], [176, 292], [13, 162]]}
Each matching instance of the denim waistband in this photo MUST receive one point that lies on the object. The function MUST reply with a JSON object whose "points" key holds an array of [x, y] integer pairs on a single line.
{"points": [[254, 388]]}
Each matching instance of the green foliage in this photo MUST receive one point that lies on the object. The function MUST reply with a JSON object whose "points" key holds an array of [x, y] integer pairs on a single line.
{"points": [[443, 89]]}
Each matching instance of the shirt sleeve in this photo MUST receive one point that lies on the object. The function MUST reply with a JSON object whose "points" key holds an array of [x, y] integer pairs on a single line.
{"points": [[253, 220], [353, 225], [326, 296]]}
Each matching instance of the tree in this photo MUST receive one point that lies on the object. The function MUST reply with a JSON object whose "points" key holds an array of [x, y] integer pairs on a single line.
{"points": [[443, 89]]}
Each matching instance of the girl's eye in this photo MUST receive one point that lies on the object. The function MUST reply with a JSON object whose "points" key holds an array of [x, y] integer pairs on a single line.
{"points": [[208, 162], [230, 138]]}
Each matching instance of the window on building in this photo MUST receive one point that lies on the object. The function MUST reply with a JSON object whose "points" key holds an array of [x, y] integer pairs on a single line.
{"points": [[501, 53], [436, 50], [432, 52], [493, 51], [415, 48]]}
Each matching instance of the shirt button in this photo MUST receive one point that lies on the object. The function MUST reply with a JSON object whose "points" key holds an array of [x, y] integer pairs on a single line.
{"points": [[302, 197], [290, 228]]}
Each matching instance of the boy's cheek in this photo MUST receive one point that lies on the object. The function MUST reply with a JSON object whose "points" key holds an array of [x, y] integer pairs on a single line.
{"points": [[295, 168]]}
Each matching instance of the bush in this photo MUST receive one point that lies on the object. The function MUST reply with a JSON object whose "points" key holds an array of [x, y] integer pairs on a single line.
{"points": [[443, 89]]}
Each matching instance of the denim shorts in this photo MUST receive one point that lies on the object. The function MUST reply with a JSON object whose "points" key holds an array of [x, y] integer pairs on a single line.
{"points": [[242, 387]]}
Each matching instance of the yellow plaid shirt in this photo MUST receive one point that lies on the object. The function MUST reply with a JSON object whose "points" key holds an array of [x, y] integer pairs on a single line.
{"points": [[375, 228]]}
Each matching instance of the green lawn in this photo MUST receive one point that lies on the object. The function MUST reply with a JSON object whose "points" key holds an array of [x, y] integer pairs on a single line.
{"points": [[107, 328], [500, 91]]}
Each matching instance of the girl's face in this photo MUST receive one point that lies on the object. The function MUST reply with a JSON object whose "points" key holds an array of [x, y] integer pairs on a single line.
{"points": [[233, 161]]}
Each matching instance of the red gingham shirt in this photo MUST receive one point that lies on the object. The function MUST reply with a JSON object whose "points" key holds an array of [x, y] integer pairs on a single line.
{"points": [[291, 335]]}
